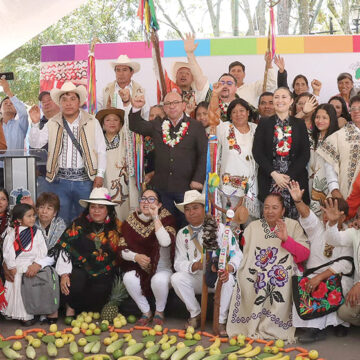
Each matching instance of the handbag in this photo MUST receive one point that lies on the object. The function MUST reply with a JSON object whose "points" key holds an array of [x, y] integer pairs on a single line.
{"points": [[41, 293], [328, 296]]}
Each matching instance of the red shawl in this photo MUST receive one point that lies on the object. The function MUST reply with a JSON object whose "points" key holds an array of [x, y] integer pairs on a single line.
{"points": [[140, 238]]}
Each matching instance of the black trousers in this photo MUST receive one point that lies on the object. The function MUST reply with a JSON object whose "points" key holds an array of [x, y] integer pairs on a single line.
{"points": [[89, 293]]}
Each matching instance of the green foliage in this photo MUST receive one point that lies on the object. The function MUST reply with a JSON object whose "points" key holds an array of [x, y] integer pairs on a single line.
{"points": [[109, 20]]}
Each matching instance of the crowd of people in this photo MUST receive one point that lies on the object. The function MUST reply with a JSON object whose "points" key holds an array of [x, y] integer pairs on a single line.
{"points": [[128, 193]]}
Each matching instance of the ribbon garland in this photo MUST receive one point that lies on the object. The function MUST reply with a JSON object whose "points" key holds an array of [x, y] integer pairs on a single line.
{"points": [[272, 45], [147, 15], [92, 107], [139, 159]]}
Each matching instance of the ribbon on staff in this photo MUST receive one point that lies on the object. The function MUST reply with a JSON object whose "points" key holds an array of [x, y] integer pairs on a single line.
{"points": [[92, 106], [272, 45]]}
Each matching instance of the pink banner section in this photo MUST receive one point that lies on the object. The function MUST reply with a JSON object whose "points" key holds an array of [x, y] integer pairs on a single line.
{"points": [[356, 43], [133, 50], [82, 51]]}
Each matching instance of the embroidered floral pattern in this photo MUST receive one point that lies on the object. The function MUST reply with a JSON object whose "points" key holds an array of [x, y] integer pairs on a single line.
{"points": [[326, 298], [239, 182], [167, 139], [233, 145], [268, 281], [266, 256], [278, 276], [284, 139]]}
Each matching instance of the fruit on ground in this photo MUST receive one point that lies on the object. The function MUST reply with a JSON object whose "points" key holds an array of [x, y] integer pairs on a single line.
{"points": [[165, 346], [68, 320], [197, 337], [313, 354], [131, 319], [117, 353], [118, 294], [39, 334], [82, 342], [190, 330], [145, 333], [53, 328], [274, 349], [158, 328], [17, 345], [19, 332], [232, 357], [78, 356], [59, 343], [188, 336], [75, 330], [104, 327], [232, 342], [279, 343], [36, 343]]}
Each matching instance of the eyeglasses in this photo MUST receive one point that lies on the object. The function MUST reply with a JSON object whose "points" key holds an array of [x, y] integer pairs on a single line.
{"points": [[169, 103], [150, 199], [229, 82], [355, 108]]}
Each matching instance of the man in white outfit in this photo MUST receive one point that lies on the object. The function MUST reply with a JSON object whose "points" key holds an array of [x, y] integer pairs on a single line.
{"points": [[187, 281]]}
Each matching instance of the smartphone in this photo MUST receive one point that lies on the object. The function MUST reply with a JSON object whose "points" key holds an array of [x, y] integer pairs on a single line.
{"points": [[7, 76]]}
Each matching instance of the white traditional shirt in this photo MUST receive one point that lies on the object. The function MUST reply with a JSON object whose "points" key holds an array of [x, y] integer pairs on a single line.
{"points": [[186, 253], [69, 157]]}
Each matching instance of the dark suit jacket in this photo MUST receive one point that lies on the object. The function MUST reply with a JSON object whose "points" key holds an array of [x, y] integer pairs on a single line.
{"points": [[299, 155], [175, 167]]}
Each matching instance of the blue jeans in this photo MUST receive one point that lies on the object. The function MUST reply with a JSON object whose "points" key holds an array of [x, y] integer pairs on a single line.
{"points": [[69, 193]]}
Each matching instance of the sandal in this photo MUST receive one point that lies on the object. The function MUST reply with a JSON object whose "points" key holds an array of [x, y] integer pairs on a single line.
{"points": [[222, 331], [158, 320], [144, 320], [194, 322]]}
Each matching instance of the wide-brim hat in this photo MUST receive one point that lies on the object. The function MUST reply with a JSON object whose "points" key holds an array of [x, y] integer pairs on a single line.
{"points": [[69, 87], [178, 65], [125, 60], [100, 115], [191, 196], [99, 196]]}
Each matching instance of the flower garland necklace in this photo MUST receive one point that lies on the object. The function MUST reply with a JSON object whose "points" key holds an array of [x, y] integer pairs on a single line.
{"points": [[223, 106], [283, 145], [179, 135]]}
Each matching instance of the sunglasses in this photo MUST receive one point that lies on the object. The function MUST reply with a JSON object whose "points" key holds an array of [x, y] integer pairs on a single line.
{"points": [[229, 82]]}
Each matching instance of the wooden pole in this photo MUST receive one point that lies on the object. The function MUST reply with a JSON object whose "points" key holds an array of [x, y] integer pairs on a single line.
{"points": [[155, 42]]}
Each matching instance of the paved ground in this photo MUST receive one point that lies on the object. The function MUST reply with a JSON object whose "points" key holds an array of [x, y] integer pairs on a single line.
{"points": [[332, 348]]}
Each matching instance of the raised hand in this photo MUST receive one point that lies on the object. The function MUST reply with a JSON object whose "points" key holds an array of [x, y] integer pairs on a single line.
{"points": [[332, 211], [279, 62], [281, 230], [154, 210], [295, 191], [310, 105], [268, 59], [138, 101], [189, 43], [217, 88], [125, 95], [34, 113], [316, 86]]}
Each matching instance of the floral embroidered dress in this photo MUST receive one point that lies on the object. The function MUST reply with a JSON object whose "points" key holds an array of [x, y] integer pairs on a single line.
{"points": [[121, 185], [88, 246], [281, 162], [238, 169], [262, 299]]}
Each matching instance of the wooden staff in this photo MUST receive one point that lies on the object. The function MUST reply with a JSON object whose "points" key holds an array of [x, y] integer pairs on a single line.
{"points": [[155, 42]]}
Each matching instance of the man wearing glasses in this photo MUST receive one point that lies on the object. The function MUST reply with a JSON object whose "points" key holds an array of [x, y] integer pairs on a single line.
{"points": [[341, 152], [180, 150]]}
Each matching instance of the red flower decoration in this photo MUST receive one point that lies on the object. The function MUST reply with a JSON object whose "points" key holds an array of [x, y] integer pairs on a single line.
{"points": [[303, 283], [320, 292], [289, 140], [334, 297]]}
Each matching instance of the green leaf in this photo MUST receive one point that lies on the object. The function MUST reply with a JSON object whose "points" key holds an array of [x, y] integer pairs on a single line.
{"points": [[148, 338], [231, 349], [190, 342]]}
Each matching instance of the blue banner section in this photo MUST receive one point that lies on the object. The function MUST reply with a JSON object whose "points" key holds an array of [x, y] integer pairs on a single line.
{"points": [[175, 48]]}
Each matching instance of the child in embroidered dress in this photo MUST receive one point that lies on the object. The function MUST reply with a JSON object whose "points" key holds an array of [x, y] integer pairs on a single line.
{"points": [[23, 248]]}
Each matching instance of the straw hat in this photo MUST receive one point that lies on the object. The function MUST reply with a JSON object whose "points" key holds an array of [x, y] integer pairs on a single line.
{"points": [[191, 196], [125, 60], [100, 115], [66, 88], [178, 65], [98, 196]]}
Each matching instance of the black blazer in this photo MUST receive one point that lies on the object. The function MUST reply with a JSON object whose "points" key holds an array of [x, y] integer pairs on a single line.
{"points": [[175, 167], [299, 154]]}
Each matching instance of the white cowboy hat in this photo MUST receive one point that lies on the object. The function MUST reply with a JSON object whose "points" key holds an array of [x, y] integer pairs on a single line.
{"points": [[191, 196], [98, 196], [178, 65], [125, 60], [66, 88]]}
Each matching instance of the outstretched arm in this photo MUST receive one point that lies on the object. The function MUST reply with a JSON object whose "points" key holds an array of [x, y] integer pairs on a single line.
{"points": [[189, 46]]}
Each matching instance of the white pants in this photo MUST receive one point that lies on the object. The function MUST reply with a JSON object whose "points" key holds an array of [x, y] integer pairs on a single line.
{"points": [[186, 285], [160, 284]]}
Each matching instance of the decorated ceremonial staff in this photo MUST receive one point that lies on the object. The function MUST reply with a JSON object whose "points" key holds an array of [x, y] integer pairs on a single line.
{"points": [[271, 46], [212, 184]]}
